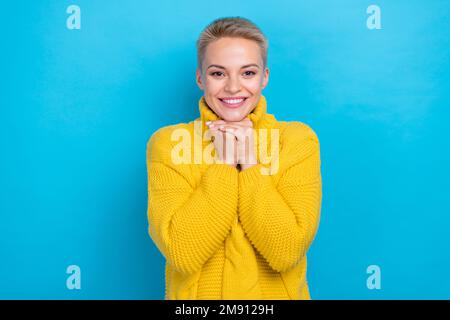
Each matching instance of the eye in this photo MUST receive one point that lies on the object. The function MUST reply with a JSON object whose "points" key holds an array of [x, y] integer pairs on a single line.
{"points": [[251, 72], [215, 72]]}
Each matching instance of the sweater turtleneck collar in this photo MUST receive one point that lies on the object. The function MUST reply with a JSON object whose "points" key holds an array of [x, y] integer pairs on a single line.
{"points": [[207, 114]]}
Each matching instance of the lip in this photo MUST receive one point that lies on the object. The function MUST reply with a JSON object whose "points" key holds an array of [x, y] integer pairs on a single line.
{"points": [[233, 106], [237, 97]]}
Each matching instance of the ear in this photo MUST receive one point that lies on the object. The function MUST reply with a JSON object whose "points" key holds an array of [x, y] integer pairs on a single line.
{"points": [[198, 79], [265, 78]]}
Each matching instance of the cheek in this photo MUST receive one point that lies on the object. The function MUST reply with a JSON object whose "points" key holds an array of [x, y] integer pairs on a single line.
{"points": [[254, 85], [213, 86]]}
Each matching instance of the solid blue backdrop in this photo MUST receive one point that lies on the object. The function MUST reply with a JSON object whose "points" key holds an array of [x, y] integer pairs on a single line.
{"points": [[78, 107]]}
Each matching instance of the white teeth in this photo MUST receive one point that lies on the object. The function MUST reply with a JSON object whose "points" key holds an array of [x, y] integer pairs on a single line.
{"points": [[235, 101]]}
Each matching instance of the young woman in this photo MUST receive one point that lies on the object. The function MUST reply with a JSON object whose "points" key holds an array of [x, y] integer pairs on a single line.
{"points": [[234, 197]]}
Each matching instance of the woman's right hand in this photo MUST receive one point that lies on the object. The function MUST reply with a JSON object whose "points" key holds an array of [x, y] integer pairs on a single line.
{"points": [[226, 147]]}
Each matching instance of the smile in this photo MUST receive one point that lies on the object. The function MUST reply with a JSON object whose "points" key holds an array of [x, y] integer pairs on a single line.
{"points": [[234, 103]]}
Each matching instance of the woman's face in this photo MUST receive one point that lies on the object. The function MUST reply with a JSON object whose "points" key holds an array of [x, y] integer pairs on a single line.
{"points": [[232, 68]]}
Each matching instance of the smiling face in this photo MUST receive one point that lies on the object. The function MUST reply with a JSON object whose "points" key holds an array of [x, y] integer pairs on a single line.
{"points": [[232, 68]]}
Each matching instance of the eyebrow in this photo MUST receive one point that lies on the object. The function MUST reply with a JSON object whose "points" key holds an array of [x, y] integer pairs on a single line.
{"points": [[222, 67]]}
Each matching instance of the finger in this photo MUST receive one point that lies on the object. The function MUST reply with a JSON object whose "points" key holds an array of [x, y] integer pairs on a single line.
{"points": [[240, 132], [214, 133], [215, 122], [234, 131], [230, 131], [229, 127], [230, 135], [245, 121], [242, 123], [215, 125]]}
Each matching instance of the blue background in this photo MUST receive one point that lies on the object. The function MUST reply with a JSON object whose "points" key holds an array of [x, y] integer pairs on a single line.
{"points": [[78, 106]]}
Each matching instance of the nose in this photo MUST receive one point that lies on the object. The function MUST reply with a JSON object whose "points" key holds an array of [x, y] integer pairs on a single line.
{"points": [[233, 84]]}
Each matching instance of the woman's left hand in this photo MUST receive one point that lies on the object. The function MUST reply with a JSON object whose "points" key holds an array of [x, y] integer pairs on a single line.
{"points": [[243, 131]]}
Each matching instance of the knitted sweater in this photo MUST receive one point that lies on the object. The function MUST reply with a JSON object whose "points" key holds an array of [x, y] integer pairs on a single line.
{"points": [[231, 234]]}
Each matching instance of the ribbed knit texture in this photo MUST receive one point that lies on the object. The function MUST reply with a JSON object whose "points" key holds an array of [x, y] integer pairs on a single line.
{"points": [[230, 234]]}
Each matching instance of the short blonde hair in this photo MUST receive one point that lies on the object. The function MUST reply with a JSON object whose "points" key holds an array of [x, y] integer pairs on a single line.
{"points": [[234, 27]]}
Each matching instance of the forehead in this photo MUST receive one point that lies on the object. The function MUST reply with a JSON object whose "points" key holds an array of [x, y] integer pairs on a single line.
{"points": [[231, 51]]}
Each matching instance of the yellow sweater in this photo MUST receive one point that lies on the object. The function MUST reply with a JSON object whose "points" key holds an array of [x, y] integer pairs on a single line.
{"points": [[230, 234]]}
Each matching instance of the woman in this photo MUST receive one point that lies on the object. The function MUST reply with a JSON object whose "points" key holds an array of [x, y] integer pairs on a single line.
{"points": [[238, 224]]}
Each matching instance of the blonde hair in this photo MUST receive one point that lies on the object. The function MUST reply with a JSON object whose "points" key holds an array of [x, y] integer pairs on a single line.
{"points": [[234, 27]]}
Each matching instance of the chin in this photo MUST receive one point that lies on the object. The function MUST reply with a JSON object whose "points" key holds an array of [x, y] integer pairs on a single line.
{"points": [[233, 116]]}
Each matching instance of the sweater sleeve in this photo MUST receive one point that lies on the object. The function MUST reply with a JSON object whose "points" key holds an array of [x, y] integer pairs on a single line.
{"points": [[281, 220], [189, 223]]}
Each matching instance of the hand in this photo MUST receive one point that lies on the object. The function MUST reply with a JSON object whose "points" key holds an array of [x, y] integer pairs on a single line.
{"points": [[225, 145], [243, 132]]}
